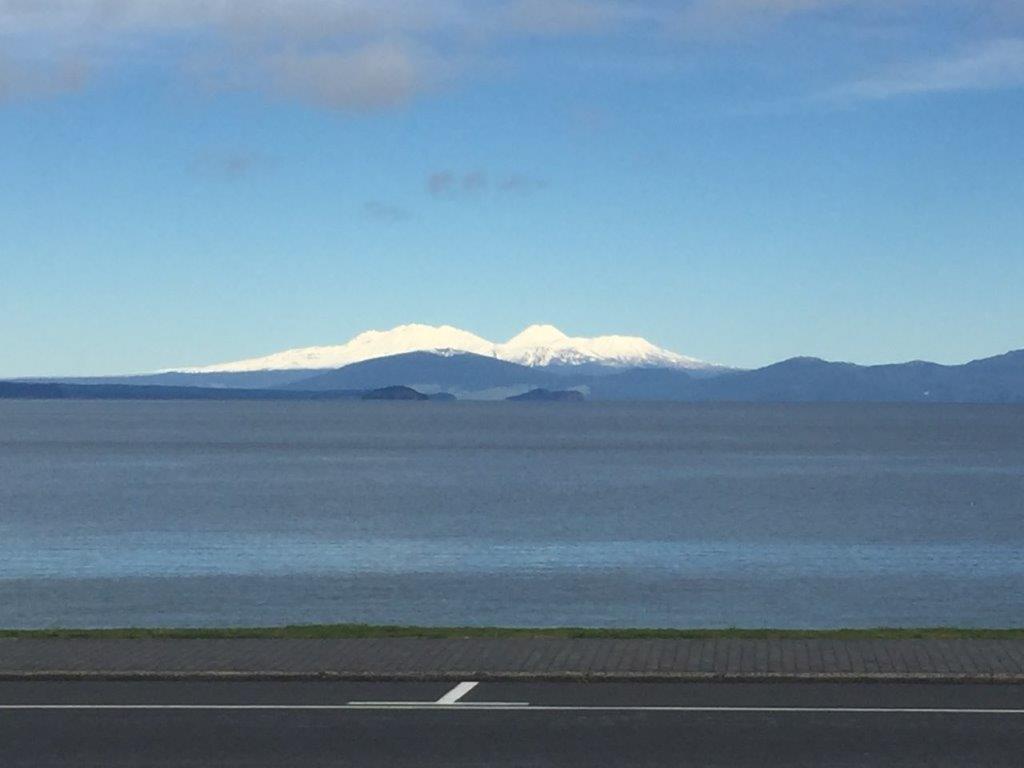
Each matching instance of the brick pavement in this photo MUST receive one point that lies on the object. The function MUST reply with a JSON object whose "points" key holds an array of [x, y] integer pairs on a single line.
{"points": [[518, 658]]}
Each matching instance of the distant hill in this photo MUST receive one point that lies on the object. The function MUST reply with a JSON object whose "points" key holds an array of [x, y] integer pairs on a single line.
{"points": [[802, 379], [426, 371], [644, 384], [548, 395], [443, 397]]}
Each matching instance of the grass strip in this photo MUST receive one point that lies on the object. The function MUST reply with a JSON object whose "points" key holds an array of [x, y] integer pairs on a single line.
{"points": [[342, 631]]}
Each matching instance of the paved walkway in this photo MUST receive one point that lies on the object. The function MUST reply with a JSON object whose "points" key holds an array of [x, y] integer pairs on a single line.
{"points": [[518, 658]]}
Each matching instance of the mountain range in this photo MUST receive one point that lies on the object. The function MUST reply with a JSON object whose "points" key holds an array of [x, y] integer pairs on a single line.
{"points": [[434, 360], [536, 346]]}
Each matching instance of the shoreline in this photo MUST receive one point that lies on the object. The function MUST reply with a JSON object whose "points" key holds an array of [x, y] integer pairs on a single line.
{"points": [[372, 631]]}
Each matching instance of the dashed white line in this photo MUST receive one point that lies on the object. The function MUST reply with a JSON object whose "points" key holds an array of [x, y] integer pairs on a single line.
{"points": [[499, 705], [450, 699], [457, 693]]}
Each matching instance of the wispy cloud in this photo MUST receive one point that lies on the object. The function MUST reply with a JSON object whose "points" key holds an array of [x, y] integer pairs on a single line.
{"points": [[373, 77], [521, 184], [372, 55], [296, 18], [41, 78], [387, 212], [448, 184], [441, 184], [230, 166], [991, 65], [561, 17], [340, 54], [715, 18], [451, 184]]}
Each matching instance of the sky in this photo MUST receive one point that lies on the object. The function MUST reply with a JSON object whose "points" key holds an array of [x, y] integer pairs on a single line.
{"points": [[184, 182]]}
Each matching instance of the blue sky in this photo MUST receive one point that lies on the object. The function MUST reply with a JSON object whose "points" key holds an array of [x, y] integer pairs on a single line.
{"points": [[187, 182]]}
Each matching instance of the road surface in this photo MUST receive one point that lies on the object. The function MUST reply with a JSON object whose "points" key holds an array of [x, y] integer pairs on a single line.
{"points": [[216, 723]]}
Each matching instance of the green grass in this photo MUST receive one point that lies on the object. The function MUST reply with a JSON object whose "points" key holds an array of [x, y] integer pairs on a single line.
{"points": [[324, 631]]}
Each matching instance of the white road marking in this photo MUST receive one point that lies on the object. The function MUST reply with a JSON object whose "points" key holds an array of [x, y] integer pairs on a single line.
{"points": [[457, 693], [437, 704], [449, 699], [513, 706]]}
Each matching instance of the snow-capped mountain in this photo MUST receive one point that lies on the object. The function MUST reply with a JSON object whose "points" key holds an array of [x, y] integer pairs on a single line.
{"points": [[538, 345], [546, 345]]}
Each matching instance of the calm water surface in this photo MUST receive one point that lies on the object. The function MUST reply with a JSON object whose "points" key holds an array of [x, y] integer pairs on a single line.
{"points": [[178, 513]]}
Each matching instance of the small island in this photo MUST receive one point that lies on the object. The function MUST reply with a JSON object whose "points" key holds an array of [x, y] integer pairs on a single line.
{"points": [[548, 395], [394, 393], [443, 397]]}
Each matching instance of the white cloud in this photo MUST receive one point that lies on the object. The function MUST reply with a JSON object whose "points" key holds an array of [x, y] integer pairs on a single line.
{"points": [[323, 18], [560, 17], [991, 65], [374, 76], [41, 78], [345, 54], [360, 55], [703, 18], [315, 18]]}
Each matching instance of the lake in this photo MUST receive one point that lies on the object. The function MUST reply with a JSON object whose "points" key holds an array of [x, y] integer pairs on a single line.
{"points": [[546, 514]]}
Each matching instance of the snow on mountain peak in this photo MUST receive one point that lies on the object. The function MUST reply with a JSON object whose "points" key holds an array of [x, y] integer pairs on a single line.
{"points": [[546, 348], [536, 336], [537, 345], [368, 345], [416, 337]]}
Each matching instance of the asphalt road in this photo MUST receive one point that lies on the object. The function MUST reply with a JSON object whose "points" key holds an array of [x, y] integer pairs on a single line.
{"points": [[53, 723]]}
